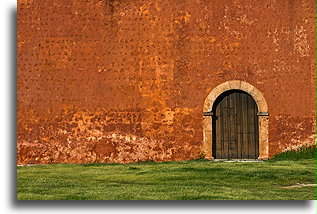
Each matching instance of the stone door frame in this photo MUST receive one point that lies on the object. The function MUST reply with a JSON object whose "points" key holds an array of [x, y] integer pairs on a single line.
{"points": [[263, 115]]}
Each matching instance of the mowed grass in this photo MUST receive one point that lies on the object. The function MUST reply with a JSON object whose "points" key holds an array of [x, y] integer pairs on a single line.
{"points": [[185, 180]]}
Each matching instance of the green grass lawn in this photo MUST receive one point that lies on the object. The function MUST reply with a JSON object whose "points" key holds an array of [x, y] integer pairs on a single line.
{"points": [[185, 180]]}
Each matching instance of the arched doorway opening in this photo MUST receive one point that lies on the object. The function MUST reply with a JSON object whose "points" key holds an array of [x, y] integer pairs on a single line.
{"points": [[235, 126], [262, 117]]}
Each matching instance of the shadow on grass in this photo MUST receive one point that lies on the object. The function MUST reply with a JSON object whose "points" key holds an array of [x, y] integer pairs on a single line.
{"points": [[167, 204]]}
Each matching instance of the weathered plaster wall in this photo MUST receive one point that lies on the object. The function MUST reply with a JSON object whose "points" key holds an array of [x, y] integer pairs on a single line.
{"points": [[125, 81]]}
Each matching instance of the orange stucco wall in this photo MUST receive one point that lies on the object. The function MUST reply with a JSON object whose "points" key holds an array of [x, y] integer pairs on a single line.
{"points": [[125, 81]]}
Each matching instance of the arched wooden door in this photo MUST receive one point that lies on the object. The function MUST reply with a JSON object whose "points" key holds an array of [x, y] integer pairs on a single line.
{"points": [[235, 126]]}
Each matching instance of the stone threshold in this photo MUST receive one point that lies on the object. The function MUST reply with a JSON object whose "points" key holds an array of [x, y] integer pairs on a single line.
{"points": [[237, 160]]}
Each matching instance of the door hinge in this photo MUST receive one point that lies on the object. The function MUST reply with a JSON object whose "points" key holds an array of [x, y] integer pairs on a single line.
{"points": [[263, 113], [208, 113]]}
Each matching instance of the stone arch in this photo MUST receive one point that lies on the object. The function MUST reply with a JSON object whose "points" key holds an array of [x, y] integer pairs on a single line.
{"points": [[263, 115]]}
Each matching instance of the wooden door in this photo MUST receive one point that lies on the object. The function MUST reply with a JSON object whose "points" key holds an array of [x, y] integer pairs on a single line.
{"points": [[235, 126]]}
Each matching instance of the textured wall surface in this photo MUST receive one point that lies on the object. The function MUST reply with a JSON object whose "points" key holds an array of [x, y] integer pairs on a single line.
{"points": [[125, 81]]}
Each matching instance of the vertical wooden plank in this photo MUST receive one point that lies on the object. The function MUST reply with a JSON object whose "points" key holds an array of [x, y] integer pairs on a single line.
{"points": [[221, 130], [229, 123], [244, 127], [241, 125], [256, 125], [232, 121], [220, 125], [251, 128], [218, 130], [225, 127], [234, 118], [238, 128], [236, 124], [248, 126]]}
